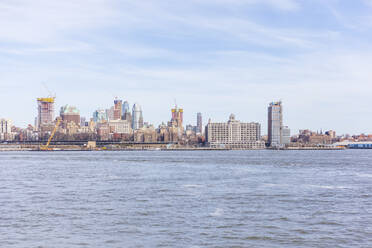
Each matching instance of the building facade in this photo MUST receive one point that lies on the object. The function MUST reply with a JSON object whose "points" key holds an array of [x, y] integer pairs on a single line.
{"points": [[137, 117], [6, 129], [275, 124], [120, 126], [83, 121], [110, 113], [331, 133], [126, 115], [70, 114], [99, 115], [118, 109], [234, 135], [286, 137], [103, 130], [199, 123], [45, 111], [145, 135], [177, 117]]}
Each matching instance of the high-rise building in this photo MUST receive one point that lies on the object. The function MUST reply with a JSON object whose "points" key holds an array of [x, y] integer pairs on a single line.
{"points": [[5, 129], [126, 114], [70, 114], [5, 126], [177, 117], [125, 110], [286, 135], [234, 135], [140, 121], [199, 123], [275, 124], [100, 115], [118, 104], [137, 117], [45, 111], [110, 113]]}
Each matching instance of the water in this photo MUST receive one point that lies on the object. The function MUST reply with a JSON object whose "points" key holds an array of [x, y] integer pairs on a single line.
{"points": [[186, 199]]}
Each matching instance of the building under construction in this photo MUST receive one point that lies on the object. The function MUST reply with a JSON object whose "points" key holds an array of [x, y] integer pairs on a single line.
{"points": [[177, 117], [45, 111]]}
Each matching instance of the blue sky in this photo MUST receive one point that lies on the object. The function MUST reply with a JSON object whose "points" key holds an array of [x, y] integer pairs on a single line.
{"points": [[214, 56]]}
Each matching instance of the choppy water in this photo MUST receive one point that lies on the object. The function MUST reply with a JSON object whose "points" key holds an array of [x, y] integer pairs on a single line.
{"points": [[186, 199]]}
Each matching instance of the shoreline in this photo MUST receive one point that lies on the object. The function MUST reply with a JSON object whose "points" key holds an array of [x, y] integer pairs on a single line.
{"points": [[80, 149]]}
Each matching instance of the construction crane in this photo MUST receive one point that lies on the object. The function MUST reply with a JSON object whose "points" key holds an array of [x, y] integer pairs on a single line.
{"points": [[50, 94], [46, 147]]}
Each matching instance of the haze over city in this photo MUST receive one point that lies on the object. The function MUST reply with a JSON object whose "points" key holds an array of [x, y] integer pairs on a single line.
{"points": [[215, 57]]}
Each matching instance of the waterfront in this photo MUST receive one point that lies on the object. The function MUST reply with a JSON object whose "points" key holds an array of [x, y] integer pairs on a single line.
{"points": [[186, 199]]}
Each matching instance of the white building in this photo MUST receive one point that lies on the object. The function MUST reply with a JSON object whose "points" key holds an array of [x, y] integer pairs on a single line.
{"points": [[278, 135], [234, 135], [120, 126], [137, 117], [286, 135], [6, 129], [275, 124]]}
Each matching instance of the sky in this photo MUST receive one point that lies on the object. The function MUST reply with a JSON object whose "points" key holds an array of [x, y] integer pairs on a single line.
{"points": [[216, 57]]}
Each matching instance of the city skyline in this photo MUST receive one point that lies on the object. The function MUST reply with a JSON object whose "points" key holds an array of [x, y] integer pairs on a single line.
{"points": [[214, 57], [193, 117], [116, 124]]}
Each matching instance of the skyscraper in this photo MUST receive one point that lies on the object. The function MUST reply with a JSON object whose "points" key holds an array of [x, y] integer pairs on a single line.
{"points": [[177, 117], [199, 123], [110, 113], [5, 129], [125, 109], [118, 109], [275, 124], [5, 126], [126, 115], [137, 117], [286, 135], [45, 111], [140, 120], [99, 115]]}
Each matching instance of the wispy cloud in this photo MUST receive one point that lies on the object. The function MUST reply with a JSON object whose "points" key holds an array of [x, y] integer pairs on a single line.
{"points": [[42, 20], [214, 56], [288, 5]]}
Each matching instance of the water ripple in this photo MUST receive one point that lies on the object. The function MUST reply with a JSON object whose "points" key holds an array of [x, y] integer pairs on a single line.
{"points": [[186, 199]]}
